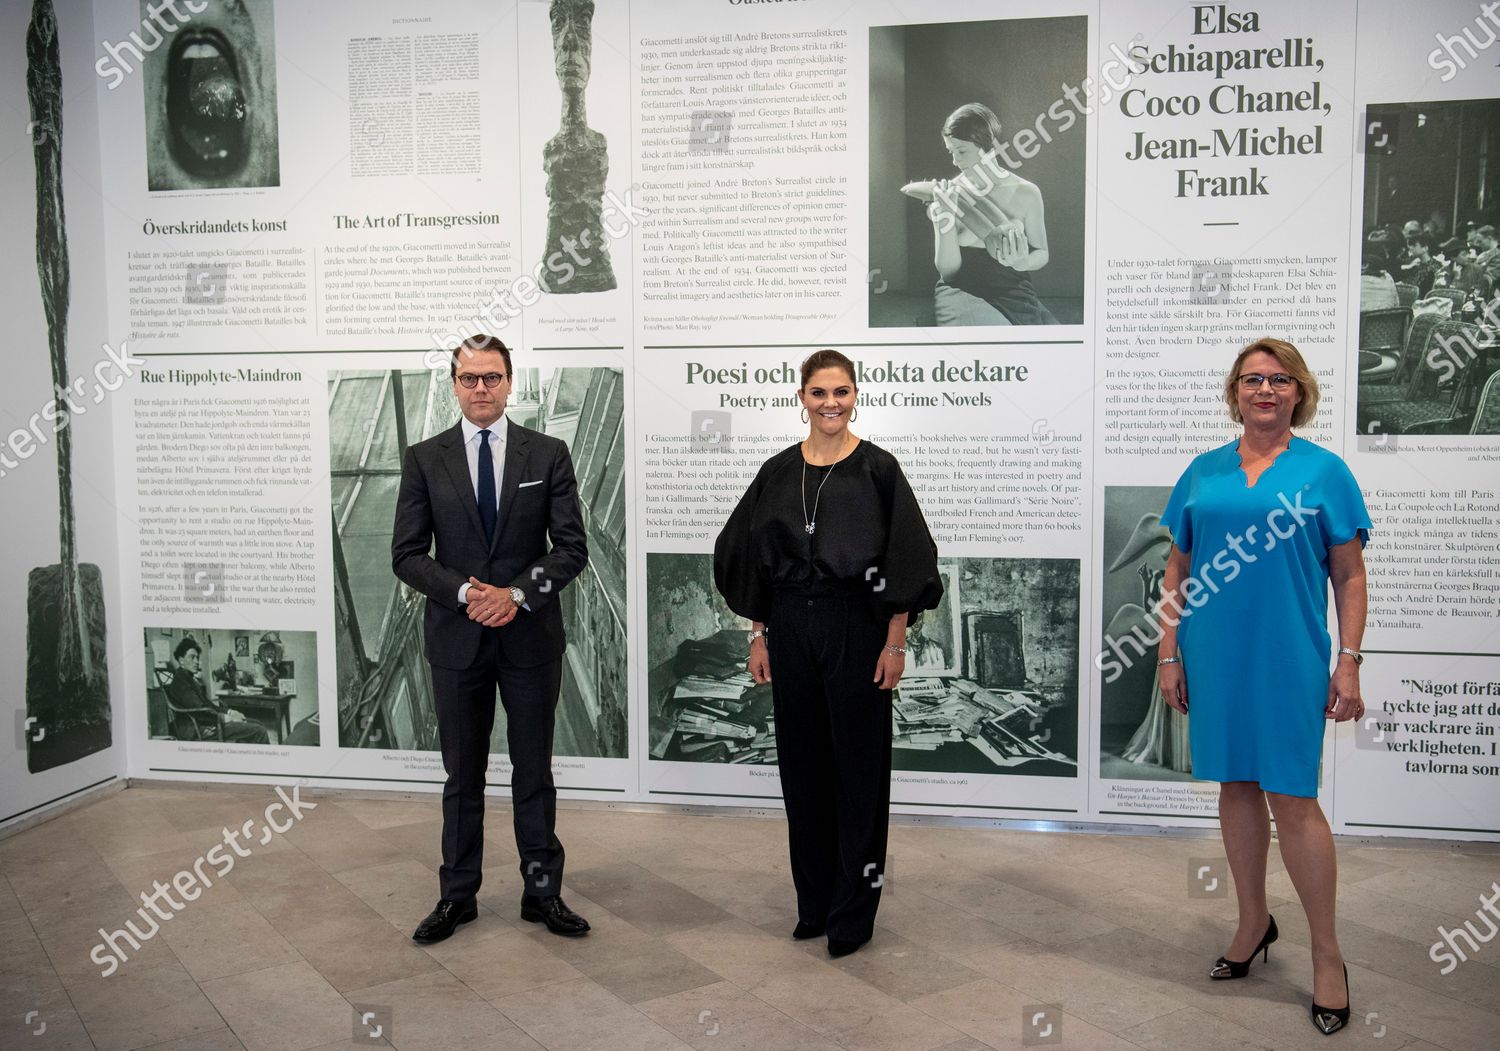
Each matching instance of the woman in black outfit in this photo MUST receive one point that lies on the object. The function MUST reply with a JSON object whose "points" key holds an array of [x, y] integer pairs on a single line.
{"points": [[828, 555]]}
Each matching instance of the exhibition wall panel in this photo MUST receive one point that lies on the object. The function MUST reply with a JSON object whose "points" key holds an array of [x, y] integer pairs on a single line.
{"points": [[663, 208]]}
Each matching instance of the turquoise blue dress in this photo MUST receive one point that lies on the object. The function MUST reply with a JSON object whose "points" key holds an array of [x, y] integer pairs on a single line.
{"points": [[1254, 628]]}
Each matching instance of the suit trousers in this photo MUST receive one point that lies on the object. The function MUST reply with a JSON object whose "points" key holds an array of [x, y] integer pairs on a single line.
{"points": [[465, 702], [833, 743]]}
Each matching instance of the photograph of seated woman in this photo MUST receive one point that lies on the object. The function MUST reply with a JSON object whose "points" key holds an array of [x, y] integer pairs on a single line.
{"points": [[988, 229], [828, 556]]}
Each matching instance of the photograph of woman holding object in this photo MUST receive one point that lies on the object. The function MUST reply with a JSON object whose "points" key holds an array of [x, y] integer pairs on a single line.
{"points": [[1260, 527], [828, 555], [988, 229]]}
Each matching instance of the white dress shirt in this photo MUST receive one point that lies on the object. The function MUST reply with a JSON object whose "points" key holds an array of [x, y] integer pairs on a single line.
{"points": [[497, 458]]}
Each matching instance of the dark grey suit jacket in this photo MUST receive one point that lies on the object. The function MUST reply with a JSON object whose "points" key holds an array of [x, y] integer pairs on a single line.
{"points": [[438, 543]]}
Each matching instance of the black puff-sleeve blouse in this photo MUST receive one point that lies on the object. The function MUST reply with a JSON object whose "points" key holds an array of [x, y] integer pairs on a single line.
{"points": [[870, 536]]}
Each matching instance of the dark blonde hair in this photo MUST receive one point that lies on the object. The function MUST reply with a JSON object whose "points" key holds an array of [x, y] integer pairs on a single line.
{"points": [[827, 359], [1291, 360]]}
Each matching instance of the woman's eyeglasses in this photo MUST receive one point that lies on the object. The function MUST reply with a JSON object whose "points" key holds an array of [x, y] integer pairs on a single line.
{"points": [[1253, 380], [471, 380]]}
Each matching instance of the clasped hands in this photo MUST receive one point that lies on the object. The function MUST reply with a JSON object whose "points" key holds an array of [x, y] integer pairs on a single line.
{"points": [[888, 668], [490, 605]]}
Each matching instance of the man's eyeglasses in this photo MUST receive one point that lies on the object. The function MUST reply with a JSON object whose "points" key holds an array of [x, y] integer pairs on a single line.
{"points": [[1253, 380], [471, 380]]}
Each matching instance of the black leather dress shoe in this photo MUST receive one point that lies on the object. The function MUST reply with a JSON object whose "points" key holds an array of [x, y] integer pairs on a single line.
{"points": [[444, 920], [558, 917]]}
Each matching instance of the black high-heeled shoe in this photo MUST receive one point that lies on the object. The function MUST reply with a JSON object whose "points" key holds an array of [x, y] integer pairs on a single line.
{"points": [[805, 930], [838, 947], [1224, 968], [1330, 1020]]}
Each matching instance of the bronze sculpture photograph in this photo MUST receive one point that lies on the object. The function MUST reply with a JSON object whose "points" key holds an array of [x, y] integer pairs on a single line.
{"points": [[576, 160], [67, 685]]}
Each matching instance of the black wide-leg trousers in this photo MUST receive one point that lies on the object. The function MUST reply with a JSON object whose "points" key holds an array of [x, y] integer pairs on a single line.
{"points": [[465, 703], [833, 744]]}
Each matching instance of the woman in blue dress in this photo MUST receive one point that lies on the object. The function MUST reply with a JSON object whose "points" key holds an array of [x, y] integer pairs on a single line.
{"points": [[1260, 527]]}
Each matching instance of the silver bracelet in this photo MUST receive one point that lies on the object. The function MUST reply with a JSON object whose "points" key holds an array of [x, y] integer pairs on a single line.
{"points": [[896, 649], [1169, 660]]}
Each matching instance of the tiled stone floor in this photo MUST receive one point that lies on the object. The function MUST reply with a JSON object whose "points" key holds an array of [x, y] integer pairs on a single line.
{"points": [[690, 945]]}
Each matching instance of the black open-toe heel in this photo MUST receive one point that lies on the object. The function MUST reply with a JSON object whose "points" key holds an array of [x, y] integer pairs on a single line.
{"points": [[1330, 1020], [1224, 968]]}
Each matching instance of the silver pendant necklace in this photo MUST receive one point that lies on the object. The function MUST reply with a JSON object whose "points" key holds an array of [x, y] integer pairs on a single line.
{"points": [[811, 524]]}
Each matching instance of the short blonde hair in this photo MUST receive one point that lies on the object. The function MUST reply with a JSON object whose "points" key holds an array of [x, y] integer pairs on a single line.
{"points": [[1291, 360]]}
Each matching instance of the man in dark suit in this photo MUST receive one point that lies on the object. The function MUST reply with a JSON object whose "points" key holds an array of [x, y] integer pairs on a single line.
{"points": [[186, 692], [477, 506]]}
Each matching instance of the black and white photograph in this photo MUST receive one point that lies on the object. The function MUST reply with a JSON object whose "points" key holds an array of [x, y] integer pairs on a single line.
{"points": [[210, 91], [1429, 279], [385, 687], [703, 705], [1140, 738], [991, 681], [576, 163], [201, 687], [932, 643], [976, 219], [68, 713]]}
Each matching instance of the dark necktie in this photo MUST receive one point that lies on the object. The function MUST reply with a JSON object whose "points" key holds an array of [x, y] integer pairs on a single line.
{"points": [[486, 487]]}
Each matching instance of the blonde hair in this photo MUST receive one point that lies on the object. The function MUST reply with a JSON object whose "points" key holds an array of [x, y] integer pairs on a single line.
{"points": [[1291, 361]]}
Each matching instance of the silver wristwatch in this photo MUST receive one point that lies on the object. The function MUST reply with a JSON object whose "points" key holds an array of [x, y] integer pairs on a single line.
{"points": [[1359, 658], [518, 596], [751, 636]]}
